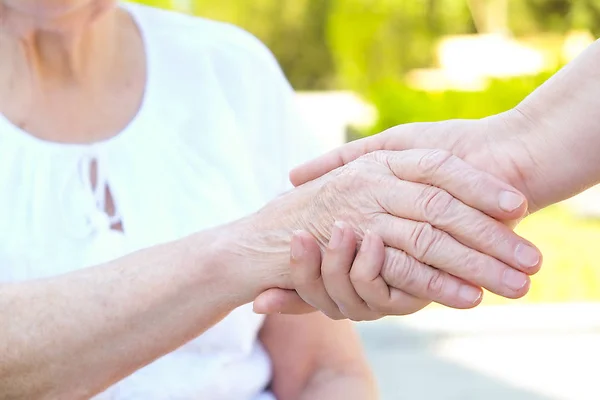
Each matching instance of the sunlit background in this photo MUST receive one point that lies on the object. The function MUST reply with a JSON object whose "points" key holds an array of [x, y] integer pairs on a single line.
{"points": [[360, 66]]}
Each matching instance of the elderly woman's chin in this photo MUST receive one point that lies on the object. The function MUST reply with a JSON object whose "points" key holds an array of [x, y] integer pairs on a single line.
{"points": [[24, 16], [50, 9]]}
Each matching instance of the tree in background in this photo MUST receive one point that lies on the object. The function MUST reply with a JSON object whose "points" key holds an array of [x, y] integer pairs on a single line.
{"points": [[295, 30], [325, 44], [380, 40]]}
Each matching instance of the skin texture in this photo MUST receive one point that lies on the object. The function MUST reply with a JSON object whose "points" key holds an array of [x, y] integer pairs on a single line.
{"points": [[415, 247], [80, 66], [546, 147], [423, 230], [71, 336], [68, 62]]}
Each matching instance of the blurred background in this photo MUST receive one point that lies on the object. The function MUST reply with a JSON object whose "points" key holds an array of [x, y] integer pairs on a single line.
{"points": [[361, 66]]}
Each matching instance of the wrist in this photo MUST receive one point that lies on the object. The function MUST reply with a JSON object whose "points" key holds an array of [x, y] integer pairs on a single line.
{"points": [[211, 267], [556, 134], [510, 146], [545, 159], [263, 240], [246, 257]]}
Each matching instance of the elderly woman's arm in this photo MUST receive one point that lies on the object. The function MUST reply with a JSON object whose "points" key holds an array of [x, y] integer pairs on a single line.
{"points": [[74, 335], [71, 336]]}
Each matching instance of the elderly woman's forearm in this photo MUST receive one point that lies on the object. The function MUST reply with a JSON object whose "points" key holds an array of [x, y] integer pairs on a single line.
{"points": [[74, 335]]}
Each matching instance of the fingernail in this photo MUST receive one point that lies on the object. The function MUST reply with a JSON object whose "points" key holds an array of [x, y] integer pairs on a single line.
{"points": [[297, 247], [514, 280], [364, 247], [510, 201], [527, 256], [336, 236], [469, 294]]}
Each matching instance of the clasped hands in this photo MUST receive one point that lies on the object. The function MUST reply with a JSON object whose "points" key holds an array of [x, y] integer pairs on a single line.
{"points": [[406, 228]]}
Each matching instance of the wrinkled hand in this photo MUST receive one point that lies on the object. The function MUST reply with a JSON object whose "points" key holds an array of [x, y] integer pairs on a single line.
{"points": [[436, 242], [490, 144]]}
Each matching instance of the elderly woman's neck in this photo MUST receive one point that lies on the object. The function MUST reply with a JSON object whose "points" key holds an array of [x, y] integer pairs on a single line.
{"points": [[63, 52], [72, 85]]}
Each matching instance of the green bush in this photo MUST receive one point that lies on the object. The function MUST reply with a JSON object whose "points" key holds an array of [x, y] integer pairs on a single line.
{"points": [[399, 104], [381, 40]]}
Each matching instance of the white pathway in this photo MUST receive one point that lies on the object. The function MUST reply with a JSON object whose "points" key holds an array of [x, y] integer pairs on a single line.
{"points": [[492, 353]]}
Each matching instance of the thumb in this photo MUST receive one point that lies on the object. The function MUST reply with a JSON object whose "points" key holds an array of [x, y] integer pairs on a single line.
{"points": [[280, 301]]}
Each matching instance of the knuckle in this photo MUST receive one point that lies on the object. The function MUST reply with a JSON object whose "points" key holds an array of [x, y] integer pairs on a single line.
{"points": [[370, 159], [375, 222], [354, 178], [435, 203], [377, 155], [489, 232], [400, 270], [378, 158], [345, 179], [433, 160], [360, 276], [424, 238], [436, 284], [473, 268]]}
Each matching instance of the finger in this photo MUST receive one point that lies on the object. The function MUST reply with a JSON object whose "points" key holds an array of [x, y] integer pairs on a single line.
{"points": [[281, 301], [400, 137], [336, 158], [469, 226], [374, 290], [306, 274], [411, 282], [337, 263], [473, 187], [436, 248]]}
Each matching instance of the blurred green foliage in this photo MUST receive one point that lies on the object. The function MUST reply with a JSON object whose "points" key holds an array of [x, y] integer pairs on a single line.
{"points": [[369, 45], [295, 30], [397, 103]]}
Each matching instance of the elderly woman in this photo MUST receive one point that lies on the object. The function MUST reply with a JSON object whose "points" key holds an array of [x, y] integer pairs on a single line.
{"points": [[147, 143]]}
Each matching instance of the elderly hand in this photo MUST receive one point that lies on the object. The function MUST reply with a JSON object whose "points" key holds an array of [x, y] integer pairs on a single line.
{"points": [[424, 204], [547, 146], [491, 145]]}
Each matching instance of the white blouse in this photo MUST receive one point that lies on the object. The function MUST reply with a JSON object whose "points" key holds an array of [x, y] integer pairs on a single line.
{"points": [[212, 142]]}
